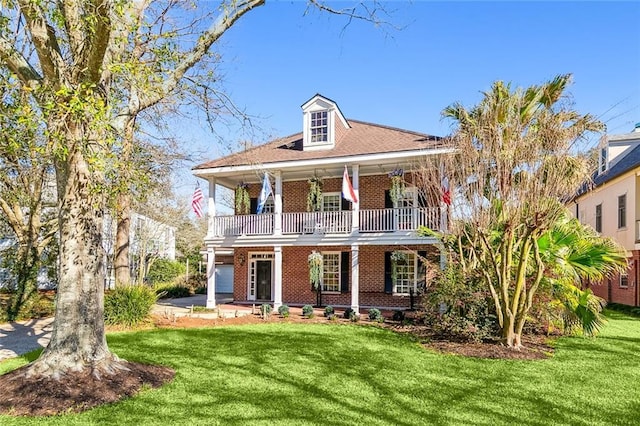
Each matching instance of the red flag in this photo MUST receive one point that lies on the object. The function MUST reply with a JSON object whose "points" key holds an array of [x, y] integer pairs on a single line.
{"points": [[446, 192], [196, 202], [347, 190]]}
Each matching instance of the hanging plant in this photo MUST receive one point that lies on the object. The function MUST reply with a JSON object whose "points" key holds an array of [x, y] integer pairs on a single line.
{"points": [[315, 269], [314, 197], [243, 202], [396, 257], [396, 192]]}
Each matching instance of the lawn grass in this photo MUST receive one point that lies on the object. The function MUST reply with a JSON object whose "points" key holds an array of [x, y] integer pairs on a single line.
{"points": [[301, 374]]}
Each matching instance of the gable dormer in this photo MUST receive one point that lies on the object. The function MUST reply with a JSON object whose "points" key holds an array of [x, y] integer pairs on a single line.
{"points": [[322, 122]]}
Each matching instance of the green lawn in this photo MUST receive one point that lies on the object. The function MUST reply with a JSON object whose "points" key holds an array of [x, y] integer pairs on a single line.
{"points": [[351, 375]]}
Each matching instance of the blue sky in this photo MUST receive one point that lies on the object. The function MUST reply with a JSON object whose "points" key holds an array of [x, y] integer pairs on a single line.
{"points": [[275, 58]]}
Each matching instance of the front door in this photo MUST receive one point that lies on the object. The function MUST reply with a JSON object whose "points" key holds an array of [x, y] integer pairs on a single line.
{"points": [[263, 279]]}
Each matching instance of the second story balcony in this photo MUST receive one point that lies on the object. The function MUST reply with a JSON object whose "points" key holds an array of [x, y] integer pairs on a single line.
{"points": [[330, 222]]}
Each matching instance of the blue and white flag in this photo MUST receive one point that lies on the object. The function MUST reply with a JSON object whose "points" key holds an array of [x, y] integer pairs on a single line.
{"points": [[264, 193]]}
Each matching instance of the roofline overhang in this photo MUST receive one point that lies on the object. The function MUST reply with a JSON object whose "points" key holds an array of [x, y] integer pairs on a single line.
{"points": [[377, 158]]}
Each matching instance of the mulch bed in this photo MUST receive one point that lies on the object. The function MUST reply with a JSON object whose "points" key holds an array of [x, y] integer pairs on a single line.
{"points": [[77, 392]]}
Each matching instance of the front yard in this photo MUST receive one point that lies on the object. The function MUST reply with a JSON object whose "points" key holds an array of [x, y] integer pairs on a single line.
{"points": [[281, 373]]}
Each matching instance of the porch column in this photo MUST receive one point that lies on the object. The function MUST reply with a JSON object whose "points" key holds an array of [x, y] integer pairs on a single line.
{"points": [[443, 257], [355, 214], [277, 275], [211, 204], [355, 278], [211, 278], [277, 201]]}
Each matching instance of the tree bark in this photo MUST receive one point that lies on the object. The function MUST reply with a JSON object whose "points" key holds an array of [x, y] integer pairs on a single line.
{"points": [[78, 339], [123, 218], [123, 208]]}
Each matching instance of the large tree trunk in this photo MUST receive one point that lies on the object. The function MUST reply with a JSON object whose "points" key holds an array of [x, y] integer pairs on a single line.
{"points": [[123, 208], [123, 218], [78, 339]]}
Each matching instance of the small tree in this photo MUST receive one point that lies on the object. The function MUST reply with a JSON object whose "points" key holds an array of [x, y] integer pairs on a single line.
{"points": [[512, 164]]}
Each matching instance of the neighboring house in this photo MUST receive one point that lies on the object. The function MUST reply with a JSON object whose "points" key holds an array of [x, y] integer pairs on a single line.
{"points": [[148, 240], [358, 241], [612, 207]]}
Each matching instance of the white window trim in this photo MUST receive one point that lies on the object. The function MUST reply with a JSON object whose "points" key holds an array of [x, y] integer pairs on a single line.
{"points": [[339, 273], [332, 194], [415, 274]]}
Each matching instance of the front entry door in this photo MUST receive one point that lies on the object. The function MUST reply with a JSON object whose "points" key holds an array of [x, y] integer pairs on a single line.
{"points": [[263, 279]]}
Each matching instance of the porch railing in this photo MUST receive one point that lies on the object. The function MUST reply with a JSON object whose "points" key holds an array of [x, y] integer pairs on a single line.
{"points": [[335, 222], [338, 222]]}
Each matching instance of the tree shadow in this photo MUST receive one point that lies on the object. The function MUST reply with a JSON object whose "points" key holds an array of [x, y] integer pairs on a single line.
{"points": [[18, 338]]}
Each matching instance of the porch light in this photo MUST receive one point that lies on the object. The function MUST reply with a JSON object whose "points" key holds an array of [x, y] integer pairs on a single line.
{"points": [[241, 259]]}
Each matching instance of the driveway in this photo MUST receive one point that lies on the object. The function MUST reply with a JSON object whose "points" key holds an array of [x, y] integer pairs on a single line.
{"points": [[17, 338]]}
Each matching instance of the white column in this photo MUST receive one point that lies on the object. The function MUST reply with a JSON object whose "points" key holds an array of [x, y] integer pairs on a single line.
{"points": [[355, 213], [277, 199], [277, 276], [355, 278], [443, 258], [211, 278], [211, 204]]}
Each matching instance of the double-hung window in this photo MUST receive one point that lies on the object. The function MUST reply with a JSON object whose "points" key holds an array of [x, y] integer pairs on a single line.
{"points": [[406, 274], [622, 211], [330, 272], [319, 127]]}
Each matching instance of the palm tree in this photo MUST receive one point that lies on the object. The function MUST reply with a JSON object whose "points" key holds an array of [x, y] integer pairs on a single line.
{"points": [[512, 163], [574, 253]]}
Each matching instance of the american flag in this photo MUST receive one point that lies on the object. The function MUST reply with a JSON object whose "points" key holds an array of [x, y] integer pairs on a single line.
{"points": [[196, 202]]}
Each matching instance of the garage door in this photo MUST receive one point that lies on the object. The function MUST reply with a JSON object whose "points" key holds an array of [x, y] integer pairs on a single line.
{"points": [[224, 279]]}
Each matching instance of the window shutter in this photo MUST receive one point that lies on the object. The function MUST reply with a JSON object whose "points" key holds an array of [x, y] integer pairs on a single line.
{"points": [[345, 266], [388, 282], [388, 202], [346, 204], [253, 205]]}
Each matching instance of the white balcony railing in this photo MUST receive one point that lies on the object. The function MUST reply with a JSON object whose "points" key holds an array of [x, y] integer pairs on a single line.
{"points": [[336, 222], [317, 222], [251, 224]]}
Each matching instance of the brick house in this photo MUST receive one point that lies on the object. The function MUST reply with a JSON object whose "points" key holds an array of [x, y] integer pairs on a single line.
{"points": [[361, 242], [612, 207]]}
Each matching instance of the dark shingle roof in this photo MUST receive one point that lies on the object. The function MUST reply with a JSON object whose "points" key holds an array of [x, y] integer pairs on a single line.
{"points": [[626, 163], [360, 139]]}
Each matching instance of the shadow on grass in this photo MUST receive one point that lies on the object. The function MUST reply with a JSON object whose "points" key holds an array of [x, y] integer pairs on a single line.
{"points": [[345, 375]]}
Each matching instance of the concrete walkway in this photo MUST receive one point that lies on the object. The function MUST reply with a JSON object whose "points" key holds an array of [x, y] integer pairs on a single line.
{"points": [[187, 306], [18, 338]]}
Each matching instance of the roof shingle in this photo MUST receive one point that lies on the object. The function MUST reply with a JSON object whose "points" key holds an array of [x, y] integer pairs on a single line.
{"points": [[361, 139]]}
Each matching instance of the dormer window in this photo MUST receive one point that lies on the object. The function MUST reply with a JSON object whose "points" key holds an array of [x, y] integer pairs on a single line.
{"points": [[319, 127], [603, 159], [323, 124]]}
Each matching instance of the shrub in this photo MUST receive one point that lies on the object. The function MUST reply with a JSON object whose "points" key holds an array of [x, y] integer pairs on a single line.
{"points": [[328, 311], [165, 270], [284, 311], [459, 307], [375, 315], [129, 305], [398, 316], [348, 312], [200, 290], [170, 291], [353, 317], [265, 310], [307, 311]]}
